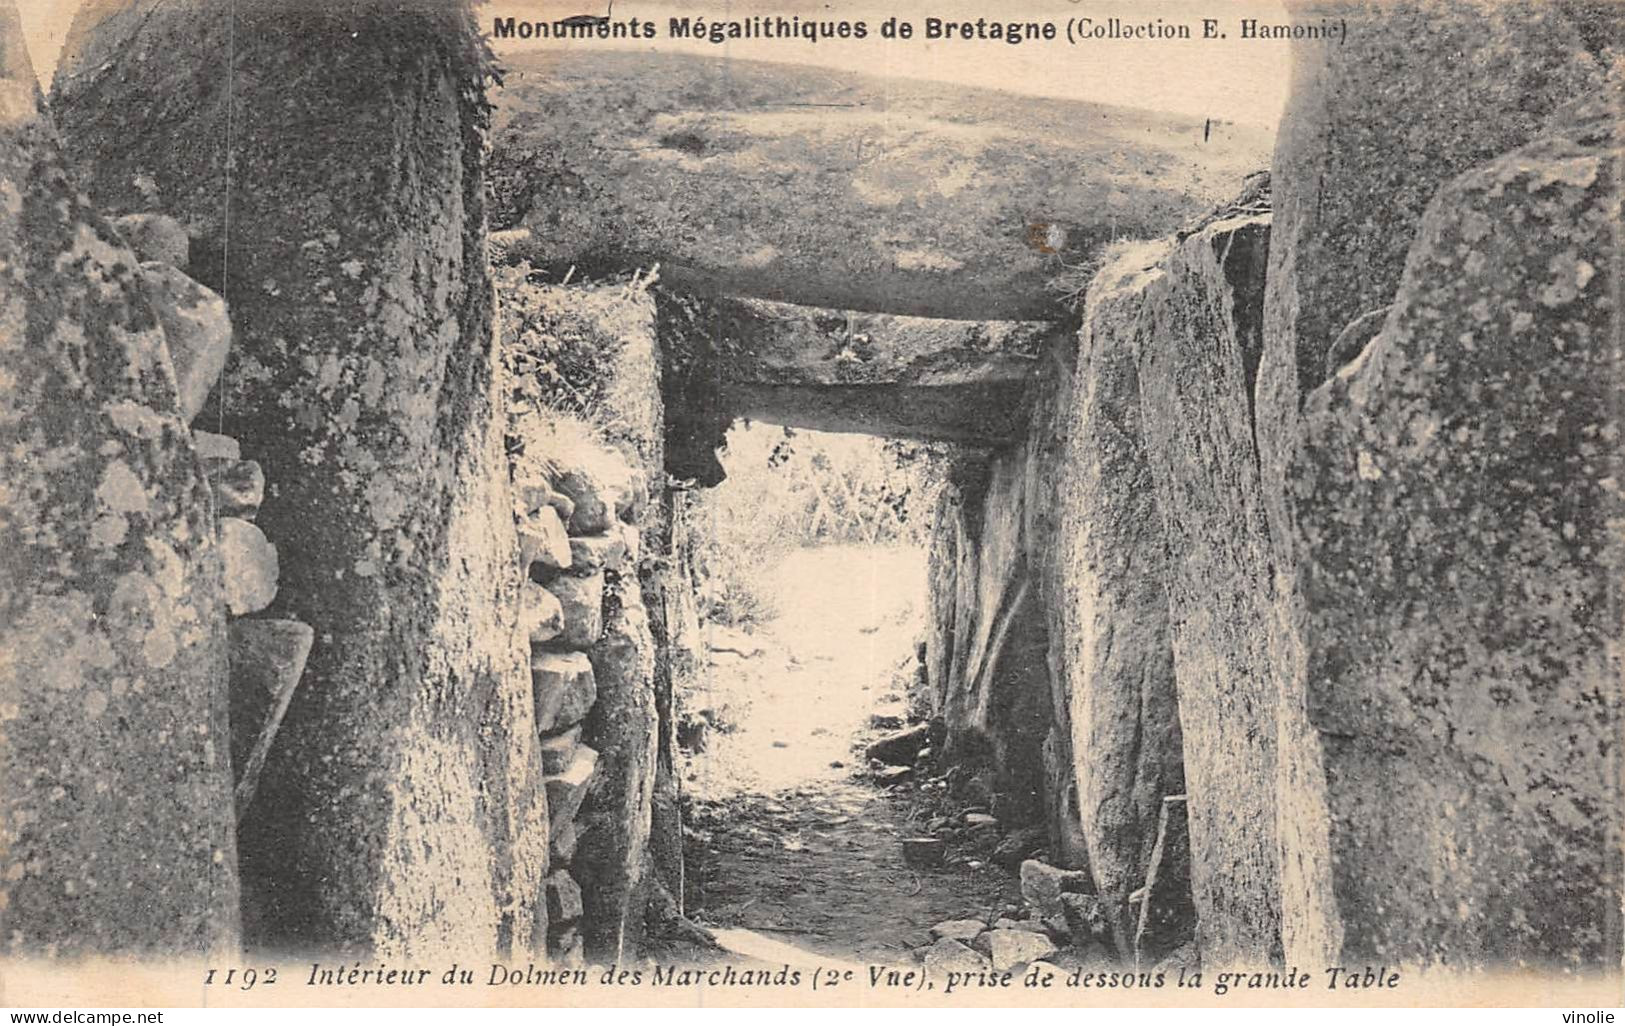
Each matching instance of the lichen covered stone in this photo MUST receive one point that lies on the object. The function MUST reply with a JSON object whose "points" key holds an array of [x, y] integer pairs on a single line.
{"points": [[1459, 514], [114, 745]]}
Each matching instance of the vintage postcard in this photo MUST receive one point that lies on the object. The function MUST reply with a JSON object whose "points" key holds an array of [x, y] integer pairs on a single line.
{"points": [[901, 503]]}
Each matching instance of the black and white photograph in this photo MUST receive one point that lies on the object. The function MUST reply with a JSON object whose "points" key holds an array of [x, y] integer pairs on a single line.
{"points": [[1080, 504]]}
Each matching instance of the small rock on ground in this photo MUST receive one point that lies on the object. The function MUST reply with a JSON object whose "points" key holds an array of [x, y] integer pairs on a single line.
{"points": [[1007, 949], [947, 956], [249, 566], [964, 930], [1042, 885], [901, 748], [924, 851]]}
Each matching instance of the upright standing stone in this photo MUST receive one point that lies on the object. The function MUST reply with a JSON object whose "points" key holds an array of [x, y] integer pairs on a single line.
{"points": [[615, 822], [401, 809], [1197, 347], [1111, 642], [113, 740], [1459, 507], [1376, 123], [1417, 94]]}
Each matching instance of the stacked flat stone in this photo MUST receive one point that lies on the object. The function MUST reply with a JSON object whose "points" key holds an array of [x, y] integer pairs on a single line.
{"points": [[573, 534], [248, 559], [197, 335]]}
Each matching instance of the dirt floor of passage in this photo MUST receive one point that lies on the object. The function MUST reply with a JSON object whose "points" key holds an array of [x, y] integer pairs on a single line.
{"points": [[788, 834]]}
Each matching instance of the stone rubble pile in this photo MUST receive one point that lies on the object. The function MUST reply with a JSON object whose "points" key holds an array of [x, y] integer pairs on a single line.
{"points": [[1064, 921], [1062, 925]]}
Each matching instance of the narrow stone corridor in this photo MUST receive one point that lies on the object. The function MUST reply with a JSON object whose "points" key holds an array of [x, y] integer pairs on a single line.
{"points": [[791, 835]]}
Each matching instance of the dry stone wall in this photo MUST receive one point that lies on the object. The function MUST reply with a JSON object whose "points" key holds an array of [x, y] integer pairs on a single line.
{"points": [[564, 621], [584, 507]]}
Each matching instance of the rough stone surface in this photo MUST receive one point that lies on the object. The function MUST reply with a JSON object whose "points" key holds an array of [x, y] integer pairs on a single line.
{"points": [[594, 491], [1030, 925], [156, 237], [958, 929], [212, 448], [1371, 131], [196, 330], [536, 497], [891, 776], [401, 810], [267, 662], [541, 616], [239, 487], [980, 414], [672, 604], [1197, 344], [1109, 606], [633, 501], [1018, 846], [565, 689], [902, 747], [599, 551], [1167, 916], [1063, 818], [950, 956], [1185, 958], [986, 661], [562, 848], [571, 950], [563, 899], [917, 198], [543, 541], [582, 599], [1374, 127], [1006, 949], [1088, 918], [1458, 513], [612, 859], [508, 245], [1042, 885], [566, 791], [847, 370], [559, 751], [113, 717], [248, 566]]}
